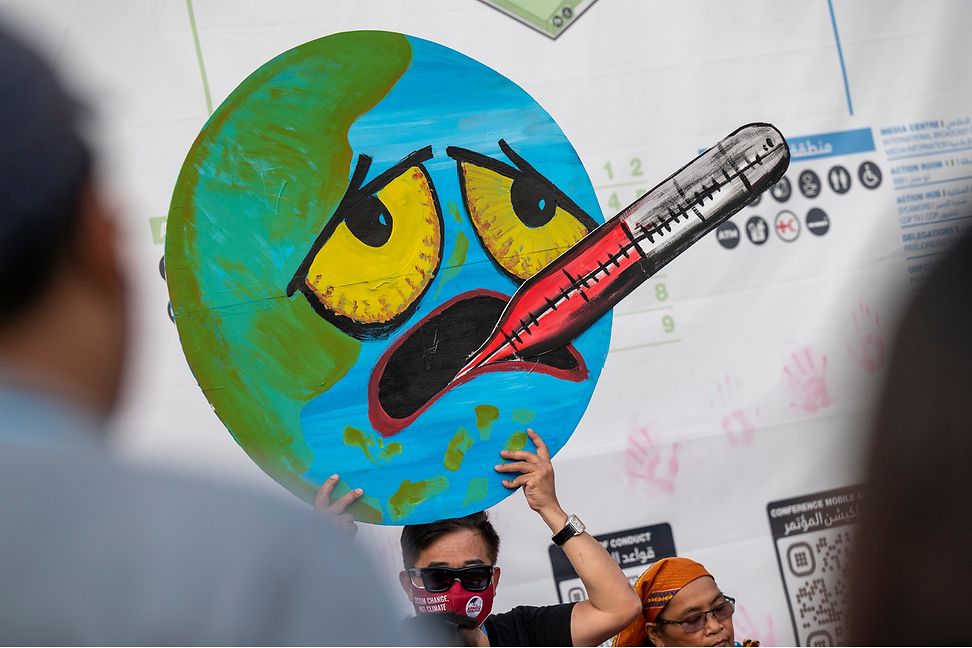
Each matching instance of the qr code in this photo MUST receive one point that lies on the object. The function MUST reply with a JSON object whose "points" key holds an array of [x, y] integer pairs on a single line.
{"points": [[816, 572], [814, 545]]}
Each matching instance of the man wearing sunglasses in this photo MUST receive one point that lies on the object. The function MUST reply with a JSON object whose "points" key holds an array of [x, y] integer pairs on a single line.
{"points": [[450, 566]]}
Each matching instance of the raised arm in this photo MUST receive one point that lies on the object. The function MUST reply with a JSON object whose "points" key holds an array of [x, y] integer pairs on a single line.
{"points": [[612, 604]]}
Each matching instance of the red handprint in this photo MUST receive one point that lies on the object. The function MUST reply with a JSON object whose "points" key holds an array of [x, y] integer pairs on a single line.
{"points": [[650, 462], [746, 628], [735, 421], [806, 376]]}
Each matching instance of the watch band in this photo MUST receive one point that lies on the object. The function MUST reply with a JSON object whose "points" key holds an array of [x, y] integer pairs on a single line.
{"points": [[573, 527]]}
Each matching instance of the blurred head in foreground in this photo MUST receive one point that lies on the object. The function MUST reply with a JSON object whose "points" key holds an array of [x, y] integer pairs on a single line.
{"points": [[62, 323], [912, 549], [94, 551]]}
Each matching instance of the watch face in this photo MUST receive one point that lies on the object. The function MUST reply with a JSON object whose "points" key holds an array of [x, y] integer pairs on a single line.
{"points": [[576, 523]]}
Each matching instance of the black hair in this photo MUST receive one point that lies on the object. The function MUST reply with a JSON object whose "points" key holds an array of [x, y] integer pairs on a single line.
{"points": [[44, 169], [418, 537]]}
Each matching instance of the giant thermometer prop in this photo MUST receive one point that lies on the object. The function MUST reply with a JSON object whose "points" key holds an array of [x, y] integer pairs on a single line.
{"points": [[560, 302]]}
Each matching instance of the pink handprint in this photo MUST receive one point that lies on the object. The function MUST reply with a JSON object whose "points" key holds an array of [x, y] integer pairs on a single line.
{"points": [[745, 628], [868, 346], [735, 421], [646, 461], [806, 376]]}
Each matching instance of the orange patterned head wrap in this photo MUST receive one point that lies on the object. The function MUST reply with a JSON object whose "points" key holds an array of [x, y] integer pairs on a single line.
{"points": [[656, 587]]}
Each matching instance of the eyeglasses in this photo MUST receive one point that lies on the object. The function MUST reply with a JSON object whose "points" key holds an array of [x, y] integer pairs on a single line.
{"points": [[696, 622], [438, 579]]}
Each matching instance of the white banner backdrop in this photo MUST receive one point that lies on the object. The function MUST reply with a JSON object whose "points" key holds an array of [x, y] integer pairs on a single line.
{"points": [[729, 418]]}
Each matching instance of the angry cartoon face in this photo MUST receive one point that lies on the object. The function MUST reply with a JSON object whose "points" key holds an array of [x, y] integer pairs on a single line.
{"points": [[345, 232]]}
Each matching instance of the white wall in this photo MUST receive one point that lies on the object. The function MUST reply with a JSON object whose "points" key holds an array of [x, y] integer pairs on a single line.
{"points": [[763, 396]]}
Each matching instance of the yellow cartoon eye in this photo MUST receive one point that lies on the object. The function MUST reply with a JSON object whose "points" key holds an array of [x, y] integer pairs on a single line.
{"points": [[522, 219], [379, 252]]}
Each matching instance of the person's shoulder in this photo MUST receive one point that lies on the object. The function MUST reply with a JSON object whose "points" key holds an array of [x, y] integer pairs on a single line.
{"points": [[529, 615], [90, 471], [529, 625], [208, 560], [155, 518], [533, 610]]}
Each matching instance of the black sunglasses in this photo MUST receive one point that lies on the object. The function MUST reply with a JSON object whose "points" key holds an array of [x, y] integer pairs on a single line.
{"points": [[438, 579]]}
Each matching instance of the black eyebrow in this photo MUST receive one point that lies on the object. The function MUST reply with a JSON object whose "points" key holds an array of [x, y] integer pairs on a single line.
{"points": [[517, 160], [352, 194], [522, 166], [412, 159], [471, 562]]}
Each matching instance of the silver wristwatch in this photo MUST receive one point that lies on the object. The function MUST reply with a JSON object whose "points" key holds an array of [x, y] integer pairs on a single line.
{"points": [[573, 527]]}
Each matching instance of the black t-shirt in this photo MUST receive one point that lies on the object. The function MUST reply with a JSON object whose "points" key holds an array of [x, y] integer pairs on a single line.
{"points": [[526, 625]]}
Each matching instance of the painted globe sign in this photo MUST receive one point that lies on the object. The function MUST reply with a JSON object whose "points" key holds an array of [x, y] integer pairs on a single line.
{"points": [[344, 233]]}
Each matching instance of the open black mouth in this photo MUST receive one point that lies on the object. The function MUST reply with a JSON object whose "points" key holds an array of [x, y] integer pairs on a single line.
{"points": [[422, 364]]}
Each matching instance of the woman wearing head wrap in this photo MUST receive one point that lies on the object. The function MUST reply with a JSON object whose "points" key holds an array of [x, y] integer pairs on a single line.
{"points": [[681, 605]]}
